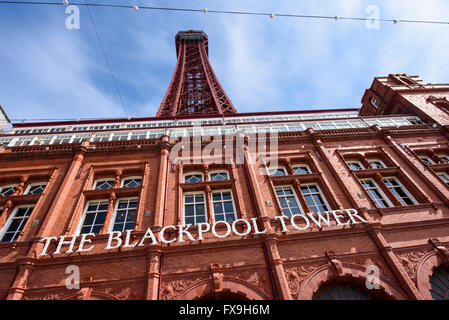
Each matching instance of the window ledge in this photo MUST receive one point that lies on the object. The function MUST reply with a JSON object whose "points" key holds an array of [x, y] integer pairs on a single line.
{"points": [[401, 208], [20, 199], [119, 192]]}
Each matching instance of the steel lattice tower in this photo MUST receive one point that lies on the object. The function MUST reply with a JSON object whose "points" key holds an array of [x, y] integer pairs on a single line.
{"points": [[194, 88]]}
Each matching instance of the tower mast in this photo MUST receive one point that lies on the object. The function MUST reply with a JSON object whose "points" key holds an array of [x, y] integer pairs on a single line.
{"points": [[194, 88]]}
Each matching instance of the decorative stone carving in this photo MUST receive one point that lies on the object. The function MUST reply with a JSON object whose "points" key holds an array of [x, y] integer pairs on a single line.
{"points": [[296, 275], [410, 261], [121, 293], [170, 290], [52, 296], [258, 279]]}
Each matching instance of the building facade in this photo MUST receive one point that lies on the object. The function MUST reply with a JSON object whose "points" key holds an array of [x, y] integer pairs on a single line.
{"points": [[225, 223]]}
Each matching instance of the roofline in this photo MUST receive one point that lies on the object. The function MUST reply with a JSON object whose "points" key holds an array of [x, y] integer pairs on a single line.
{"points": [[4, 113], [234, 115]]}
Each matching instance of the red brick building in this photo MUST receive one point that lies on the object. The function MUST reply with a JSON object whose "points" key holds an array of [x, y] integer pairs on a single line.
{"points": [[388, 160]]}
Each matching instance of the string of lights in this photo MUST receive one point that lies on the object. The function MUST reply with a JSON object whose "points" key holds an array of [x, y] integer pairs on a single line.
{"points": [[205, 10]]}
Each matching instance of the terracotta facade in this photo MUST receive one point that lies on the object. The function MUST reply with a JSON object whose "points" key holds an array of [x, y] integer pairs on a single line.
{"points": [[407, 242]]}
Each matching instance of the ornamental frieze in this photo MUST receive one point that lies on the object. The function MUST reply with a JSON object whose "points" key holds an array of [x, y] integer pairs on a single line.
{"points": [[259, 279], [297, 274], [170, 290], [410, 260]]}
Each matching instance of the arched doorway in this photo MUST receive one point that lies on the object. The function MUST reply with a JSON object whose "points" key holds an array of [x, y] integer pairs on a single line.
{"points": [[439, 284], [347, 290]]}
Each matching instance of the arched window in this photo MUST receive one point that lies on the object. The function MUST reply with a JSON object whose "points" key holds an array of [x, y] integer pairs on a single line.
{"points": [[343, 291], [193, 177], [439, 284]]}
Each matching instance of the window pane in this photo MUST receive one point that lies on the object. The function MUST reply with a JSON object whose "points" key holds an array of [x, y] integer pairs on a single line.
{"points": [[218, 208], [189, 210]]}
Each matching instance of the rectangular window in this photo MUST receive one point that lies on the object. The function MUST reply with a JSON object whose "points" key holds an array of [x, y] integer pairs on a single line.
{"points": [[139, 135], [125, 214], [42, 140], [120, 136], [375, 102], [288, 200], [94, 216], [23, 142], [78, 138], [101, 137], [399, 191], [4, 142], [194, 208], [314, 198], [223, 204], [376, 194], [62, 139], [16, 223]]}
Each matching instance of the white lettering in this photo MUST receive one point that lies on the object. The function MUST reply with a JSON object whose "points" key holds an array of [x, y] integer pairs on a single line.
{"points": [[201, 230], [228, 229], [182, 231], [162, 236], [128, 236], [148, 234], [114, 235], [353, 213], [282, 219], [83, 240], [248, 227], [61, 242], [47, 243], [320, 217], [301, 215], [256, 228], [338, 216]]}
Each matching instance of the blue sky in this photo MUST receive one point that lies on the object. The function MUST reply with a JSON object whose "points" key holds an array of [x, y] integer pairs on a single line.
{"points": [[263, 64]]}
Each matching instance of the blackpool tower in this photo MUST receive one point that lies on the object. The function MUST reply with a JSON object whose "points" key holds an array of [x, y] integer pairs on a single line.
{"points": [[194, 88]]}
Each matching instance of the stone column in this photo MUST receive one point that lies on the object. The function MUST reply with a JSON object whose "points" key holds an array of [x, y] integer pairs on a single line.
{"points": [[20, 281], [277, 267], [152, 275], [4, 215], [143, 196], [209, 208], [109, 214], [161, 187]]}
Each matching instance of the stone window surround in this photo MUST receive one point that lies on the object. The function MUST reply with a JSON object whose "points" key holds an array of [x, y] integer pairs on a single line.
{"points": [[99, 172], [432, 153], [20, 198], [392, 170], [295, 180], [207, 186]]}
